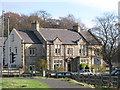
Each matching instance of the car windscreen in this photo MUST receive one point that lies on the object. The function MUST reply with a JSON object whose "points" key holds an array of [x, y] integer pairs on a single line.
{"points": [[67, 74], [113, 72]]}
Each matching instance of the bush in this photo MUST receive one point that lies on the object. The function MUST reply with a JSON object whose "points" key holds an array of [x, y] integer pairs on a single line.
{"points": [[87, 67], [58, 69], [83, 66], [99, 68], [80, 67]]}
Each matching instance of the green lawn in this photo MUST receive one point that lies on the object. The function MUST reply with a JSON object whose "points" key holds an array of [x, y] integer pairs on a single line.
{"points": [[22, 83], [0, 83]]}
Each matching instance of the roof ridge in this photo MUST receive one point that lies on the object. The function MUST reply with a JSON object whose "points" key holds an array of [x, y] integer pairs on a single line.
{"points": [[24, 30], [53, 29]]}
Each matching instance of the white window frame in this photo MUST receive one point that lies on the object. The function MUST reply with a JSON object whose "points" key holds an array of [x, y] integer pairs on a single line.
{"points": [[84, 61], [70, 50], [16, 50], [83, 50], [58, 62], [58, 49]]}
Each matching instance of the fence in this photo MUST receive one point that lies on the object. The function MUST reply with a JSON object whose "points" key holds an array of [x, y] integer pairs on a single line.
{"points": [[110, 81], [11, 71]]}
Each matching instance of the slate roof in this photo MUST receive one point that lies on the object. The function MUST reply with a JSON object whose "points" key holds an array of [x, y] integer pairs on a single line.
{"points": [[67, 36], [91, 38], [29, 36]]}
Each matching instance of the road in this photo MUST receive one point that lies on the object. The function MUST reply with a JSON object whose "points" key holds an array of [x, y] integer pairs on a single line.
{"points": [[53, 83]]}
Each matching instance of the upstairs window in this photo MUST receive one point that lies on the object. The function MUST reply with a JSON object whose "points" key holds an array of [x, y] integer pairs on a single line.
{"points": [[70, 51], [82, 50], [96, 51], [12, 38], [57, 49], [16, 50], [10, 49], [32, 51]]}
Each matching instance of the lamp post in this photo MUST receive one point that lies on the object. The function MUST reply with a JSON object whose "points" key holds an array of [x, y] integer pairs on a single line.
{"points": [[9, 58], [2, 38]]}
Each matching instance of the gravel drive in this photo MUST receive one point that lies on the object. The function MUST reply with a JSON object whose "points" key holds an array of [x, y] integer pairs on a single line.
{"points": [[59, 83]]}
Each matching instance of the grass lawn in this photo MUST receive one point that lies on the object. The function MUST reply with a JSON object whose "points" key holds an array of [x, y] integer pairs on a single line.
{"points": [[22, 83], [0, 83]]}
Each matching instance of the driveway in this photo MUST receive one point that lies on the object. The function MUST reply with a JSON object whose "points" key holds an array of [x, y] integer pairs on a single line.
{"points": [[53, 83]]}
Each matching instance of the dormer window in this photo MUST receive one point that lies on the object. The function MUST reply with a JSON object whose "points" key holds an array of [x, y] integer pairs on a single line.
{"points": [[57, 49], [82, 50]]}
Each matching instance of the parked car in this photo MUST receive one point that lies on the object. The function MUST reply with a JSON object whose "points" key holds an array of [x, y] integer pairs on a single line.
{"points": [[113, 73], [63, 74], [85, 72], [52, 74]]}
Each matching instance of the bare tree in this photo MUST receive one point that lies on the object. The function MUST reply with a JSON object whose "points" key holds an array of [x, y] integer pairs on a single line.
{"points": [[69, 21], [43, 16], [108, 33], [23, 22]]}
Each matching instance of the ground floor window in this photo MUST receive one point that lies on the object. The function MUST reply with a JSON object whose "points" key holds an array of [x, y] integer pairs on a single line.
{"points": [[97, 60], [57, 63], [84, 61], [32, 68]]}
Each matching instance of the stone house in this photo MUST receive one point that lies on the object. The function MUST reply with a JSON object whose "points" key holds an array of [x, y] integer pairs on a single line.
{"points": [[25, 45], [66, 48], [116, 58]]}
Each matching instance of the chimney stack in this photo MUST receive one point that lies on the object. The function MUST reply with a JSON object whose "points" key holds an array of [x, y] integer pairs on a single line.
{"points": [[77, 28], [35, 26]]}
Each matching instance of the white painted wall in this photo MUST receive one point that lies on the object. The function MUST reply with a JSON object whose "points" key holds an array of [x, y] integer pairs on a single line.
{"points": [[13, 44], [0, 55]]}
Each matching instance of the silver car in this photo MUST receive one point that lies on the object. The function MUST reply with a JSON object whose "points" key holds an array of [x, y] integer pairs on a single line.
{"points": [[85, 72]]}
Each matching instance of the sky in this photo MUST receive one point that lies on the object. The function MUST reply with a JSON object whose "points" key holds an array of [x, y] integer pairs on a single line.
{"points": [[86, 10]]}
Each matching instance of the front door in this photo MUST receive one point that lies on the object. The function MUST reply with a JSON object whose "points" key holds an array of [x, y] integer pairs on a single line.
{"points": [[69, 66]]}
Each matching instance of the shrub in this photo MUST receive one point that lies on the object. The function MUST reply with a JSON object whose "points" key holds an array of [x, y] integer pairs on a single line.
{"points": [[83, 66], [87, 67], [58, 69]]}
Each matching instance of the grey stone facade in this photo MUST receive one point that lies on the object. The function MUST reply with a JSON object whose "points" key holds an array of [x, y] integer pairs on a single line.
{"points": [[66, 48]]}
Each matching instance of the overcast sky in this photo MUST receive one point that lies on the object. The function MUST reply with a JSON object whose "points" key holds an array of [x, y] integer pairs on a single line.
{"points": [[86, 10]]}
